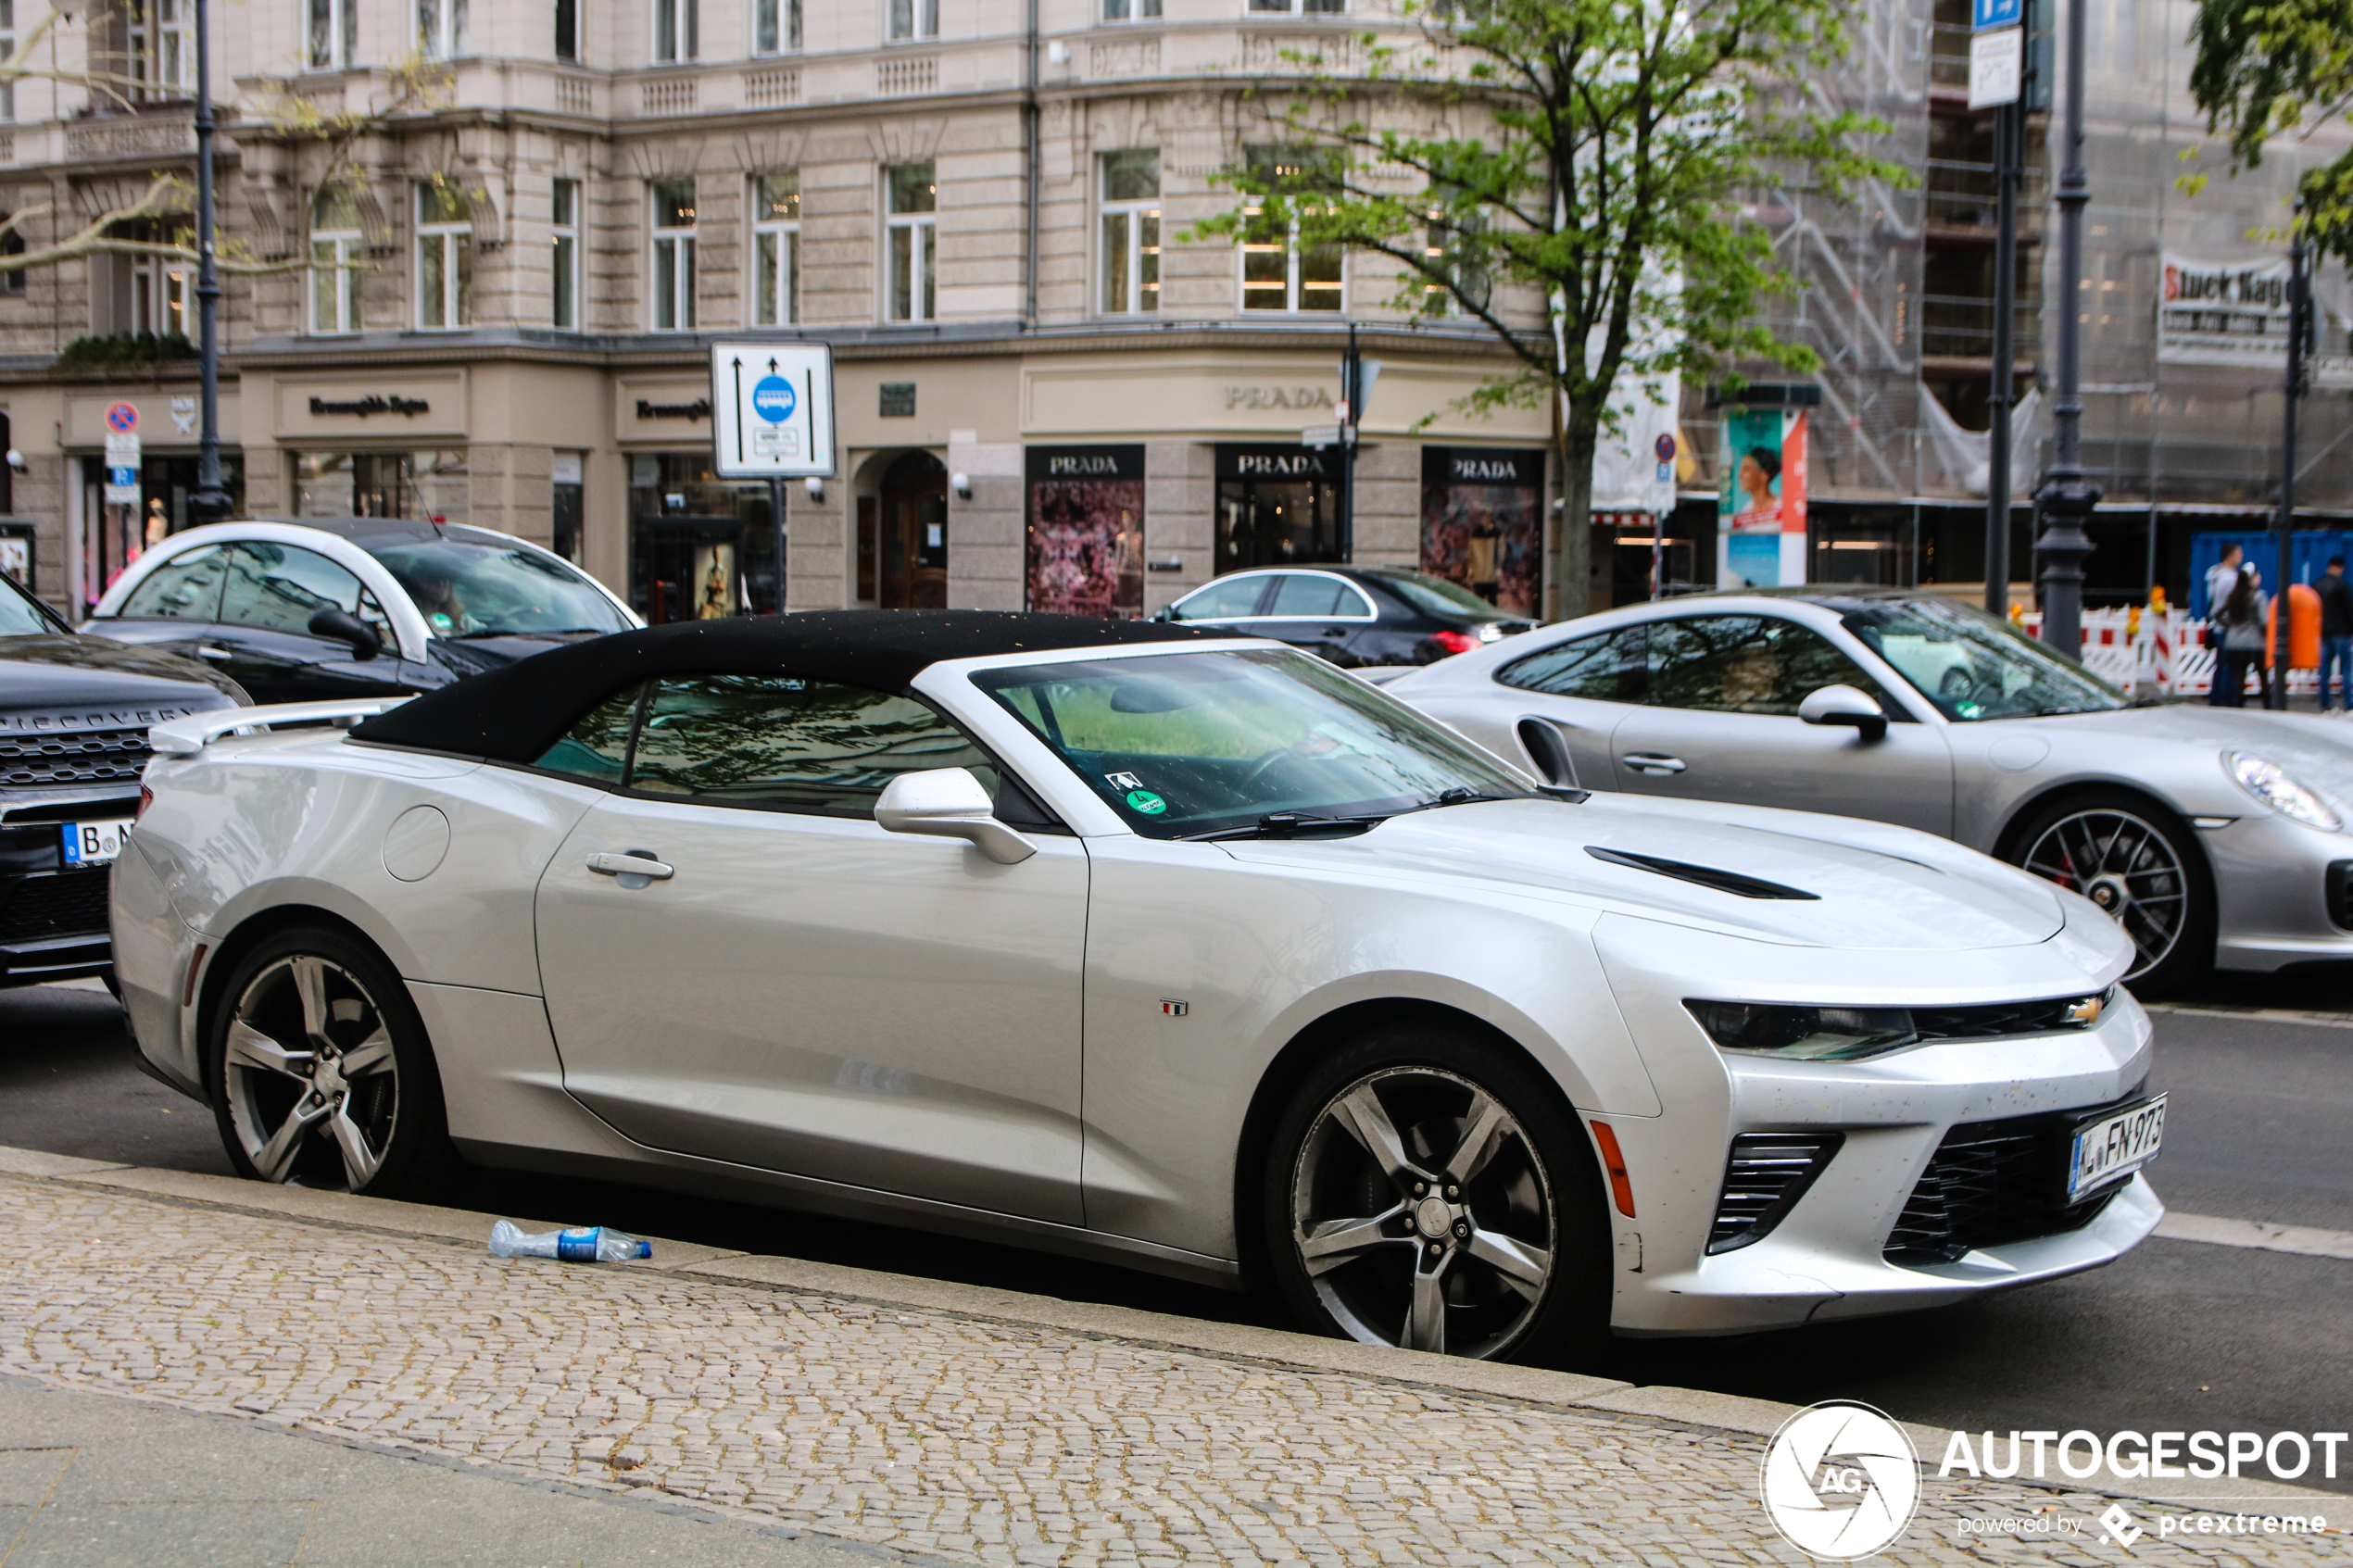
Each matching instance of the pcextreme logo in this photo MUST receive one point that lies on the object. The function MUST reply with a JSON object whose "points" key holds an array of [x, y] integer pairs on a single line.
{"points": [[1840, 1481]]}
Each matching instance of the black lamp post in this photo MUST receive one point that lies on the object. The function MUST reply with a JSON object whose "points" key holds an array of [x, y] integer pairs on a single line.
{"points": [[2066, 498], [2299, 325], [209, 502]]}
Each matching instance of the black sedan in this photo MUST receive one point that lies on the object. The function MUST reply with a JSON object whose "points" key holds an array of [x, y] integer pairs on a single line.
{"points": [[322, 608], [1350, 615], [74, 713]]}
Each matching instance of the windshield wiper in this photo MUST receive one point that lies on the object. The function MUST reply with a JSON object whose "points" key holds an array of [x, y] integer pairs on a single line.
{"points": [[1290, 824]]}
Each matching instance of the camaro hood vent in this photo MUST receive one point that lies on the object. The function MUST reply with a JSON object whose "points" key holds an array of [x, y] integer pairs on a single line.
{"points": [[1707, 876]]}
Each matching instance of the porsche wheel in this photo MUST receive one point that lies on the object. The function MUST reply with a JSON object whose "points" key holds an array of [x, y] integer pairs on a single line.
{"points": [[1426, 1190], [2138, 863], [321, 1073]]}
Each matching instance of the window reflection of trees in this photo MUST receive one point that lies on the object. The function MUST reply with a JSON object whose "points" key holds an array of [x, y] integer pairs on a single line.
{"points": [[809, 746], [1744, 664]]}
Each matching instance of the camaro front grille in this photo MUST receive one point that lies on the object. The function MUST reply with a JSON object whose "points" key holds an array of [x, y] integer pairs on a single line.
{"points": [[70, 904], [1990, 1023], [83, 757], [1764, 1176], [1991, 1183]]}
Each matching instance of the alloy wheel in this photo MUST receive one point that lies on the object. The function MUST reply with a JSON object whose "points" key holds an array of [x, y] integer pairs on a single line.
{"points": [[1422, 1216], [2125, 865], [312, 1081]]}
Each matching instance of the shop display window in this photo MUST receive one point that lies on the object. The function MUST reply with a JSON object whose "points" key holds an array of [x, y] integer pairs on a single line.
{"points": [[1085, 532], [1277, 505], [413, 484], [1482, 522], [700, 548]]}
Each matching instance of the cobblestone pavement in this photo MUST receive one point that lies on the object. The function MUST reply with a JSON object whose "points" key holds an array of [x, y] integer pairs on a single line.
{"points": [[921, 1431]]}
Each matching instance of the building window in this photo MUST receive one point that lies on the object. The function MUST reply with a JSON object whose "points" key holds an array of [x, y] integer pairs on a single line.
{"points": [[335, 33], [910, 290], [566, 258], [441, 29], [776, 26], [1131, 233], [175, 45], [1307, 8], [567, 30], [1278, 273], [1131, 10], [1443, 249], [335, 243], [161, 293], [677, 31], [11, 243], [673, 256], [445, 257], [775, 238], [914, 18]]}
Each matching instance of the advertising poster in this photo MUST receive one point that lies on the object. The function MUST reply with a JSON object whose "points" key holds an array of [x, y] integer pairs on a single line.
{"points": [[1760, 510], [2236, 313], [1085, 534], [1480, 513]]}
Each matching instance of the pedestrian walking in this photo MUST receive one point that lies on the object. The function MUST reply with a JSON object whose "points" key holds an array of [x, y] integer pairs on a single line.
{"points": [[2221, 578], [2243, 640], [2337, 634]]}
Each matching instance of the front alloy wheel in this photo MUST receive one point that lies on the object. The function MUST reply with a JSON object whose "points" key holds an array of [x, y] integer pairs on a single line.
{"points": [[1437, 1204], [2131, 868]]}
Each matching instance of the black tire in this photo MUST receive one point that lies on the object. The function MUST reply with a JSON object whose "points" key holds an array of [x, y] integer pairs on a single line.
{"points": [[286, 1111], [2140, 862], [1535, 1191]]}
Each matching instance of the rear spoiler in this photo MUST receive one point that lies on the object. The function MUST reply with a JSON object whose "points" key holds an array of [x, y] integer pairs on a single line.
{"points": [[185, 737]]}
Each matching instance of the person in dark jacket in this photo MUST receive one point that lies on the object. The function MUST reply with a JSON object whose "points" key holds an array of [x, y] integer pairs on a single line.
{"points": [[2337, 634]]}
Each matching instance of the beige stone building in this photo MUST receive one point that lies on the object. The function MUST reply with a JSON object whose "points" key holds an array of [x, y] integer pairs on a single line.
{"points": [[1046, 396]]}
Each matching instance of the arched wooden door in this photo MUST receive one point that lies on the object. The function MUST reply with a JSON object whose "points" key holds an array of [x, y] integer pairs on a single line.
{"points": [[914, 535]]}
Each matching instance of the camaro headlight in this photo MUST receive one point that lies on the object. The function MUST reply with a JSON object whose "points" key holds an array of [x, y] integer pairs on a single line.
{"points": [[1802, 1033], [2271, 784]]}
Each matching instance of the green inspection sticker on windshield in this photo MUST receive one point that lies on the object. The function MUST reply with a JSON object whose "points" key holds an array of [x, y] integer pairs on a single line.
{"points": [[1144, 800]]}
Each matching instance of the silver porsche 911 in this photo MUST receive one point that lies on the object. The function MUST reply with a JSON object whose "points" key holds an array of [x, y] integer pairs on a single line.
{"points": [[2216, 837]]}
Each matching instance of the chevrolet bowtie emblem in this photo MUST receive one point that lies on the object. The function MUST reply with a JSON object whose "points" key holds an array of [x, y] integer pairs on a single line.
{"points": [[2085, 1013]]}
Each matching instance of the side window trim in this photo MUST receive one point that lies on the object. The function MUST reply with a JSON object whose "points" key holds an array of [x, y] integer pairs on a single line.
{"points": [[1268, 584], [1611, 635], [1364, 600]]}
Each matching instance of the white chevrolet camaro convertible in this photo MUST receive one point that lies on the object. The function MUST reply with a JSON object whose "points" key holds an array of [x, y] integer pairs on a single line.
{"points": [[1126, 940]]}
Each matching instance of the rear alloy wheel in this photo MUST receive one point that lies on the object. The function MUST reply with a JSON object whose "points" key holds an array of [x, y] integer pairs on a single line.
{"points": [[321, 1073], [1426, 1192], [2139, 865]]}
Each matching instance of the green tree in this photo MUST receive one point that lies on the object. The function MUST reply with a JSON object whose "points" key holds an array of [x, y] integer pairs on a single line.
{"points": [[1592, 156], [2278, 68]]}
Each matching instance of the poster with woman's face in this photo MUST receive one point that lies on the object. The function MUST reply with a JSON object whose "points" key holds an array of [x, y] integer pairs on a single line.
{"points": [[1087, 548], [1764, 473]]}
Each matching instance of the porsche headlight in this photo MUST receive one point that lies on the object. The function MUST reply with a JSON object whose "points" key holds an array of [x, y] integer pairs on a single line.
{"points": [[2271, 784], [1804, 1034]]}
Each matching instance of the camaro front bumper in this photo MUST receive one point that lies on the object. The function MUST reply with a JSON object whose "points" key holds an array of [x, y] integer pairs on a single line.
{"points": [[1840, 1249]]}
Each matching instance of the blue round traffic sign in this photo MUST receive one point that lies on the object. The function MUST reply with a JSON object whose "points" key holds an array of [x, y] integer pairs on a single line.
{"points": [[773, 399]]}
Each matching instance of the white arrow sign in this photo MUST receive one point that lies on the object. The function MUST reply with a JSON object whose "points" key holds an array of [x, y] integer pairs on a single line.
{"points": [[772, 409]]}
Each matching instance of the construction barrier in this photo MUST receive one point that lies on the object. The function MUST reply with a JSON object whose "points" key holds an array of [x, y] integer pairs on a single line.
{"points": [[2163, 653]]}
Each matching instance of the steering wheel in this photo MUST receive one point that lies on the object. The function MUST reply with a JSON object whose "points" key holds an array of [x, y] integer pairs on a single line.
{"points": [[1957, 682], [1259, 769]]}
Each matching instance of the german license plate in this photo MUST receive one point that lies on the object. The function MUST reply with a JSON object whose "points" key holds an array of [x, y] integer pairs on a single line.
{"points": [[95, 844], [2114, 1146]]}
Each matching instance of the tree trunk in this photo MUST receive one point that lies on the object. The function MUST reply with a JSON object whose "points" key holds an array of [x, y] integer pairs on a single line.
{"points": [[1573, 563]]}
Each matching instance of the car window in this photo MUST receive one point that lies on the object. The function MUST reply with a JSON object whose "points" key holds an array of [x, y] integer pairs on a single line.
{"points": [[1747, 664], [1434, 595], [1221, 600], [19, 614], [479, 587], [789, 743], [279, 588], [1974, 666], [186, 587], [1305, 596], [596, 748], [1610, 667]]}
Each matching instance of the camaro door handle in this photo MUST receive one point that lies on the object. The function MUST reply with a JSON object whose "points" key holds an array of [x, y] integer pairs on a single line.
{"points": [[633, 869], [214, 653], [1653, 764]]}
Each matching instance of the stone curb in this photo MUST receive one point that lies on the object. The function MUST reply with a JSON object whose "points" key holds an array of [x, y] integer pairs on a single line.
{"points": [[1661, 1404]]}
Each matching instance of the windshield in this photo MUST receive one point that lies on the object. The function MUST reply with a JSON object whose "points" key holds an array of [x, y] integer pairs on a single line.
{"points": [[17, 618], [465, 589], [1973, 666], [1434, 595], [1186, 744]]}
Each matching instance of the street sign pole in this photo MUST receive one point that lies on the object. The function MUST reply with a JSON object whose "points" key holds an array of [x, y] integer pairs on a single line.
{"points": [[776, 514], [209, 502], [1996, 81], [2299, 324], [1349, 375]]}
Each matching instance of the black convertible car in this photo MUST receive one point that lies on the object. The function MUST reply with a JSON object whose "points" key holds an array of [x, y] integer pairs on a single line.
{"points": [[74, 713]]}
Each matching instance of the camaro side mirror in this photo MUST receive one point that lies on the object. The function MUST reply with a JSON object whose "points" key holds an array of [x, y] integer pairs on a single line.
{"points": [[342, 626], [1844, 704], [951, 803]]}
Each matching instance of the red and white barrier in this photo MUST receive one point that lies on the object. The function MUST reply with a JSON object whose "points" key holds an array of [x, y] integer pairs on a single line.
{"points": [[2161, 655]]}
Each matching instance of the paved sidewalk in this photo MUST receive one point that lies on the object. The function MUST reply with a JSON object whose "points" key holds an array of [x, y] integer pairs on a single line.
{"points": [[949, 1434]]}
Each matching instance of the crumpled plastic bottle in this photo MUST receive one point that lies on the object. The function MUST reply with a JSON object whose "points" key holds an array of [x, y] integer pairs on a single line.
{"points": [[586, 1244]]}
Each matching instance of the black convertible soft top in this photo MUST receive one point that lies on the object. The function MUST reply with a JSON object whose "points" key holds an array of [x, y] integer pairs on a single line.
{"points": [[514, 714]]}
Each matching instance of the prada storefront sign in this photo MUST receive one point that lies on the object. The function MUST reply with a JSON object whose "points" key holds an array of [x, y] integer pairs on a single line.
{"points": [[1284, 464], [1483, 465], [1065, 463]]}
